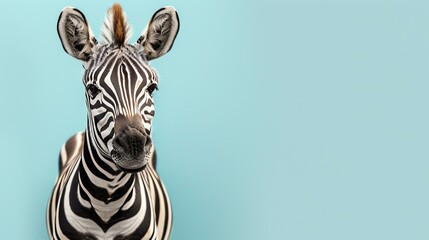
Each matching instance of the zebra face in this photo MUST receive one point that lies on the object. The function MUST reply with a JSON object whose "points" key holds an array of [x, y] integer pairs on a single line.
{"points": [[119, 81], [119, 86]]}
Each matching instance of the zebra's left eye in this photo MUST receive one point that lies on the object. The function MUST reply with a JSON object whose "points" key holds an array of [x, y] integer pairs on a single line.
{"points": [[93, 90], [151, 88]]}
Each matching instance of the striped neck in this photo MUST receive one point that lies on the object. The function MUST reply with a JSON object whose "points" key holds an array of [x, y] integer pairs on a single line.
{"points": [[103, 188]]}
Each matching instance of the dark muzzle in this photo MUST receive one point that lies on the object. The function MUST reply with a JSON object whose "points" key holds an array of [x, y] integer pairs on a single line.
{"points": [[131, 145]]}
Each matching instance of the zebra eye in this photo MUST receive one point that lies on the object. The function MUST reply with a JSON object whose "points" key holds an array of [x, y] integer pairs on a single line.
{"points": [[92, 90], [151, 88]]}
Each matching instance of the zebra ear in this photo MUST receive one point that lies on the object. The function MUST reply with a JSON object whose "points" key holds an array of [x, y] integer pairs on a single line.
{"points": [[160, 33], [75, 34]]}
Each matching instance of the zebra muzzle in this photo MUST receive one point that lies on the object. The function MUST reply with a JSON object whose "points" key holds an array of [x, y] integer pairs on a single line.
{"points": [[131, 145]]}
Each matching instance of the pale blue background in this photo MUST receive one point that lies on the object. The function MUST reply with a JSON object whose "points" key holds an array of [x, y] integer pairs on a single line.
{"points": [[275, 119]]}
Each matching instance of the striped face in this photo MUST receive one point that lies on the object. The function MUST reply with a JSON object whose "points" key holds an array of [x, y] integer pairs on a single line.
{"points": [[119, 81], [119, 86]]}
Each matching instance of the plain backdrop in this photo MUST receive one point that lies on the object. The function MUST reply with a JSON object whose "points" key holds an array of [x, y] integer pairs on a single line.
{"points": [[275, 119]]}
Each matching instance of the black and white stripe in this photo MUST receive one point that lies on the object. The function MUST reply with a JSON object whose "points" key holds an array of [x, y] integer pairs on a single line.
{"points": [[99, 195]]}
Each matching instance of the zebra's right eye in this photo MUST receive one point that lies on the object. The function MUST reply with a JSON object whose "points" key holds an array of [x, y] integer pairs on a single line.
{"points": [[92, 90]]}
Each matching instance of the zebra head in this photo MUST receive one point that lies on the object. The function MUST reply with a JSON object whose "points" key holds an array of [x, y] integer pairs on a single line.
{"points": [[118, 79]]}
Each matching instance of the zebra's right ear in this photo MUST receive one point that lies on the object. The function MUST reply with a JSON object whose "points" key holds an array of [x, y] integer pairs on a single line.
{"points": [[75, 34]]}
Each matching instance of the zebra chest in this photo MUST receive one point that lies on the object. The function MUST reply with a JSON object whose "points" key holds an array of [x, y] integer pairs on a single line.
{"points": [[84, 215]]}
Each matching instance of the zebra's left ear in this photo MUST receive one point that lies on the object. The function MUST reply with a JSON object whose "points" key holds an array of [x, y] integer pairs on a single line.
{"points": [[160, 33], [75, 34]]}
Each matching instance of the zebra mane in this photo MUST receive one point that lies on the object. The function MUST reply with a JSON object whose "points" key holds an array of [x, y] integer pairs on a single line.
{"points": [[115, 27]]}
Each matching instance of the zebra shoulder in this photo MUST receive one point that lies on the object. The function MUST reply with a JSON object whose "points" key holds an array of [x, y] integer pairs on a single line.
{"points": [[71, 149]]}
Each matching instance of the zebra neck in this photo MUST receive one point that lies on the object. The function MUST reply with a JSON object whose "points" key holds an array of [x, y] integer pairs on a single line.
{"points": [[95, 156], [103, 187]]}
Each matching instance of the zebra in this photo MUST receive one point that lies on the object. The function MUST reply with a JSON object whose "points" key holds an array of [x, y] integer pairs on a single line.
{"points": [[108, 186]]}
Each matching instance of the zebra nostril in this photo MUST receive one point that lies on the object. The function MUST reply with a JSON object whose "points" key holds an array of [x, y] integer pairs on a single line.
{"points": [[119, 144], [148, 142]]}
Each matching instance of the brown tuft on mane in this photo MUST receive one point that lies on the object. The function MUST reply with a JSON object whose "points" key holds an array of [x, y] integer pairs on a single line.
{"points": [[118, 24]]}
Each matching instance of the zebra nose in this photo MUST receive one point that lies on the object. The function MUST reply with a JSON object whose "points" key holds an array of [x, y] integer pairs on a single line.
{"points": [[131, 143]]}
